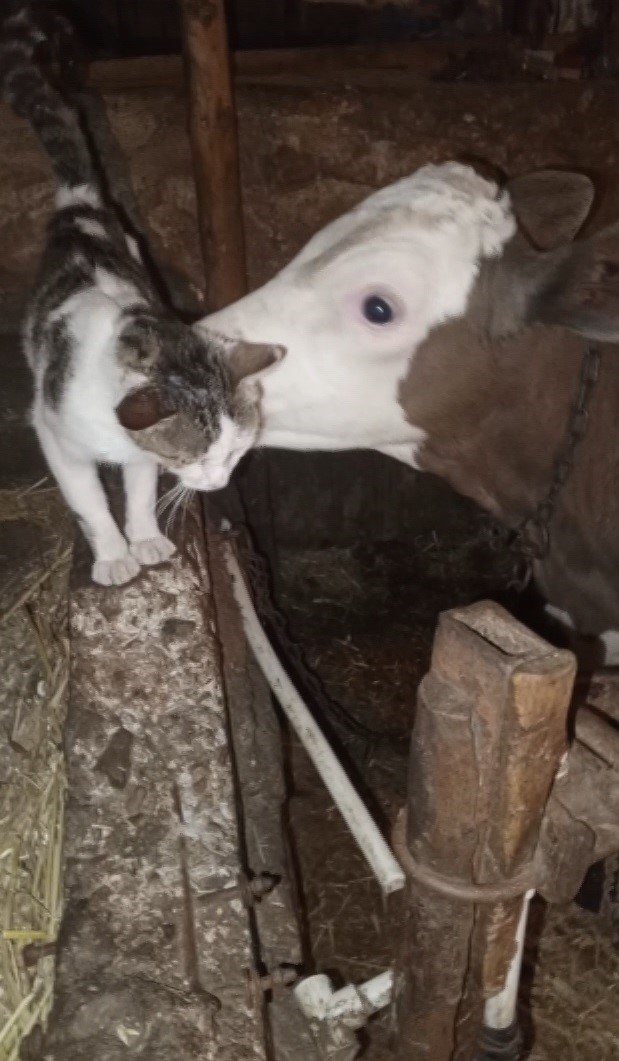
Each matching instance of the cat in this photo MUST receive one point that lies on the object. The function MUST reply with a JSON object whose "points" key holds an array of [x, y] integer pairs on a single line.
{"points": [[118, 379]]}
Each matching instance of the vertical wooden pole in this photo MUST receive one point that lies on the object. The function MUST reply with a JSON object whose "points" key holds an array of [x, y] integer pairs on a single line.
{"points": [[214, 143], [488, 738], [213, 133]]}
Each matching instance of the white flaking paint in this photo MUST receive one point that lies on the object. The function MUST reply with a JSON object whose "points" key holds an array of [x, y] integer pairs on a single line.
{"points": [[501, 1010], [352, 1005], [147, 659]]}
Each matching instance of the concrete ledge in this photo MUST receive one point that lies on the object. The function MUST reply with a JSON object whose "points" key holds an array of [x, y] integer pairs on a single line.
{"points": [[145, 966]]}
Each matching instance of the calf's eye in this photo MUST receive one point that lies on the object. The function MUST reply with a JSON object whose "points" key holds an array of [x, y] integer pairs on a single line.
{"points": [[377, 310]]}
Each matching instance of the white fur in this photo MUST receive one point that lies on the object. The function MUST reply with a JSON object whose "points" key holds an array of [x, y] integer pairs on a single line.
{"points": [[120, 291], [92, 228], [417, 243], [213, 471], [133, 248], [78, 195], [83, 432]]}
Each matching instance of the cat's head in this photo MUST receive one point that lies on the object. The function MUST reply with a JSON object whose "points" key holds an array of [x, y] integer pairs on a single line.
{"points": [[197, 406]]}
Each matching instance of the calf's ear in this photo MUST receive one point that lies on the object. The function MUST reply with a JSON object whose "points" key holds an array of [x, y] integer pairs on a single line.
{"points": [[551, 205], [580, 288]]}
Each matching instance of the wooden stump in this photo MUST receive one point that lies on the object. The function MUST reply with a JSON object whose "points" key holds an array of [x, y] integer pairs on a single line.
{"points": [[489, 735]]}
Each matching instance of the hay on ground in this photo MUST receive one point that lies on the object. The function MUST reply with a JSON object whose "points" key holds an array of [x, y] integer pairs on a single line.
{"points": [[35, 667]]}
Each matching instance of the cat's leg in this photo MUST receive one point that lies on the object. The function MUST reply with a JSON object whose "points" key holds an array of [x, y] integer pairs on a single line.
{"points": [[81, 487], [146, 542]]}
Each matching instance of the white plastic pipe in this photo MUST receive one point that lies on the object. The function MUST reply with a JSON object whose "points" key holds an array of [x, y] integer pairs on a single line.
{"points": [[380, 858], [350, 1006], [500, 1010]]}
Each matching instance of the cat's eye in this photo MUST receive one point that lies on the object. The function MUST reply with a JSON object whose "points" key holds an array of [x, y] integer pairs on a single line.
{"points": [[377, 310]]}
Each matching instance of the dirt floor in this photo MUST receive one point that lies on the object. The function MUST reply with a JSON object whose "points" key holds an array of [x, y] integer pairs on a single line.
{"points": [[365, 618]]}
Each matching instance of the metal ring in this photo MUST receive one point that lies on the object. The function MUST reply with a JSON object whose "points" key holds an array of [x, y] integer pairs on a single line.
{"points": [[455, 889]]}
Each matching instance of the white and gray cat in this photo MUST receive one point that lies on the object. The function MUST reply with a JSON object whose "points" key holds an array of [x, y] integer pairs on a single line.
{"points": [[118, 379]]}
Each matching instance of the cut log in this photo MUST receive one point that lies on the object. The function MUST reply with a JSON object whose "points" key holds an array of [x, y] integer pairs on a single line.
{"points": [[489, 735]]}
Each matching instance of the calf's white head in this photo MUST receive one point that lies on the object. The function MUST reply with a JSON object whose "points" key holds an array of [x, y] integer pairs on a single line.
{"points": [[359, 298], [360, 301]]}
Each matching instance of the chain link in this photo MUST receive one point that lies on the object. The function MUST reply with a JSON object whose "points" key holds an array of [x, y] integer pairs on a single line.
{"points": [[531, 539]]}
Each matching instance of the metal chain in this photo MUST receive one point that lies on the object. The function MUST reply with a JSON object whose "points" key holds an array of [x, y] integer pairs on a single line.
{"points": [[530, 540]]}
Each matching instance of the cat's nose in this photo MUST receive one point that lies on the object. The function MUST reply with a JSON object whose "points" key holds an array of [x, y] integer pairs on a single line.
{"points": [[217, 479], [206, 480]]}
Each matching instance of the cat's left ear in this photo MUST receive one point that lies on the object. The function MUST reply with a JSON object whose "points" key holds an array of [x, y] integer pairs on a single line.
{"points": [[140, 409], [247, 359]]}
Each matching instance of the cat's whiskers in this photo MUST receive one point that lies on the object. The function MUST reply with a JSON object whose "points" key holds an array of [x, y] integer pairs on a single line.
{"points": [[167, 500], [179, 504]]}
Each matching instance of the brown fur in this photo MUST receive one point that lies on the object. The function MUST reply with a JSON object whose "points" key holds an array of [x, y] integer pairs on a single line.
{"points": [[496, 411], [494, 391]]}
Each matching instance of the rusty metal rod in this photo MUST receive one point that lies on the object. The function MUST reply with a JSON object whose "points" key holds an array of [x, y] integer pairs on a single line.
{"points": [[249, 891]]}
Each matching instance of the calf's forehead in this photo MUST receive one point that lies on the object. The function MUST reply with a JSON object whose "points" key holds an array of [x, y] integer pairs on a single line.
{"points": [[450, 201]]}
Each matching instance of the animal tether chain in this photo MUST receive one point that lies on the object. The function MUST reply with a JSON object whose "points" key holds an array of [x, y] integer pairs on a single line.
{"points": [[531, 538]]}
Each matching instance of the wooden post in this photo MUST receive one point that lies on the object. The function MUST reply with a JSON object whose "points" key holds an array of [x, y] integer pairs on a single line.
{"points": [[213, 134], [489, 735]]}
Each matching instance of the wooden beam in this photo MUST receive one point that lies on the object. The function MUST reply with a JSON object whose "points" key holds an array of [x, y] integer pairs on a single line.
{"points": [[385, 64], [213, 134]]}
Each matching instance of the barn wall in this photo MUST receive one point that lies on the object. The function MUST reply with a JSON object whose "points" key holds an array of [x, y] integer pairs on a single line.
{"points": [[131, 27], [307, 155]]}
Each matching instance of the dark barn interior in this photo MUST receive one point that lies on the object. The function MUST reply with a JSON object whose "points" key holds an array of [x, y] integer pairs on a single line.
{"points": [[334, 99]]}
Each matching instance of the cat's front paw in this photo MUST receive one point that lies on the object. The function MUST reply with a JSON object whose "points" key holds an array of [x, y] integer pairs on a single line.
{"points": [[115, 572], [152, 550]]}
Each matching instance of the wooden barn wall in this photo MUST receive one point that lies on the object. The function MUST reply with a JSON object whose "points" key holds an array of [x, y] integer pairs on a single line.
{"points": [[131, 27], [551, 16], [307, 155]]}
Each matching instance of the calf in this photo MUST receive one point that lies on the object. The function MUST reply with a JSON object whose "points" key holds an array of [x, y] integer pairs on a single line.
{"points": [[444, 321]]}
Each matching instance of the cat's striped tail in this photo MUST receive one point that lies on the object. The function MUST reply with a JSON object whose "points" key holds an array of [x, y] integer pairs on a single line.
{"points": [[26, 87]]}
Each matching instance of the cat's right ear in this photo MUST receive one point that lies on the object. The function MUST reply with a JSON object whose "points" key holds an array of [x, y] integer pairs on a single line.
{"points": [[248, 359], [140, 409]]}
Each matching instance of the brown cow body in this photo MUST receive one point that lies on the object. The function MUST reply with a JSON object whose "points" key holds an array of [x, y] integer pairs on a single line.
{"points": [[495, 427]]}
